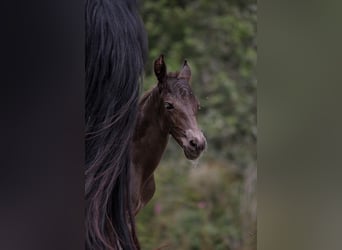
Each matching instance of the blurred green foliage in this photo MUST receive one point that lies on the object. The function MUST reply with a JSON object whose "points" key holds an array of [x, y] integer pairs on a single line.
{"points": [[212, 205]]}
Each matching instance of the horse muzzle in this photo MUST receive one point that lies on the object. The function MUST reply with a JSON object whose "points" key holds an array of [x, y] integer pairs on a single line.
{"points": [[194, 145]]}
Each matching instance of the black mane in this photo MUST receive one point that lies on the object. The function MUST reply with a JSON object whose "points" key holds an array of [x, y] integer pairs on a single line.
{"points": [[115, 52]]}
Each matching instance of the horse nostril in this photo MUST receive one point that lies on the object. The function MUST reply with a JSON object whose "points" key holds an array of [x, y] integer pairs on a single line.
{"points": [[193, 143]]}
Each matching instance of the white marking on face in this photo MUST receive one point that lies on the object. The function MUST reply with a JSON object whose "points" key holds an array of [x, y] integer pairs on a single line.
{"points": [[196, 134]]}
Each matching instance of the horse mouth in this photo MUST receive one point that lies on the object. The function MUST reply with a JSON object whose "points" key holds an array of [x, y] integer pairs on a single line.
{"points": [[190, 152], [191, 155]]}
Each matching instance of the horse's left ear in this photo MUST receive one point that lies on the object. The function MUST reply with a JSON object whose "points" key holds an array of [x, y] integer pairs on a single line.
{"points": [[160, 69], [185, 72]]}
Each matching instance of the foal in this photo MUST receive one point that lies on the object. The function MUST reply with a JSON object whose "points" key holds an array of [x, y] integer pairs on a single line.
{"points": [[169, 108]]}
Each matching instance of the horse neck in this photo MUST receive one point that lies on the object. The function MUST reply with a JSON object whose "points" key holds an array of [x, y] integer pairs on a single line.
{"points": [[151, 133], [151, 114], [149, 142]]}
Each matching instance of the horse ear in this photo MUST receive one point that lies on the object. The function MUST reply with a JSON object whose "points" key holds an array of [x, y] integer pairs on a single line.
{"points": [[160, 69], [185, 72]]}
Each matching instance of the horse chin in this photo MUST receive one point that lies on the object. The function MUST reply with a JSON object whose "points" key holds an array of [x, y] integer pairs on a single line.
{"points": [[191, 155]]}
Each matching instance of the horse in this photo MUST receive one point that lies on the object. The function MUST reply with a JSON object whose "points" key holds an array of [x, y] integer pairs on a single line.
{"points": [[116, 49], [170, 108]]}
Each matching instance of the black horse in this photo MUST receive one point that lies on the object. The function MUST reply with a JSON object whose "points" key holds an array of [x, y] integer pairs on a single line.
{"points": [[116, 48]]}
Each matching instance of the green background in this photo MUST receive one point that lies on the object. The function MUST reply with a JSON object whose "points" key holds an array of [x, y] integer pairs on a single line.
{"points": [[210, 203]]}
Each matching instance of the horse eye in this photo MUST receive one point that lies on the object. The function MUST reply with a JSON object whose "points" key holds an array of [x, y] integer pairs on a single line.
{"points": [[168, 105]]}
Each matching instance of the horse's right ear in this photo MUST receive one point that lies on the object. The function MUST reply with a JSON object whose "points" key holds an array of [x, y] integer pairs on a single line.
{"points": [[160, 69]]}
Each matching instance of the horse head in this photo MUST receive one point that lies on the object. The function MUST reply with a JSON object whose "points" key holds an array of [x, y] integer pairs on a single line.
{"points": [[180, 107]]}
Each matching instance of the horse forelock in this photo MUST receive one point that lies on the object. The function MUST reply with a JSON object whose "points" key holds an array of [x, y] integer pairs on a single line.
{"points": [[178, 87]]}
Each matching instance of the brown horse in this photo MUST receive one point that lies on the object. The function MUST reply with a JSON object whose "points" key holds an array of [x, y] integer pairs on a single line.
{"points": [[169, 108]]}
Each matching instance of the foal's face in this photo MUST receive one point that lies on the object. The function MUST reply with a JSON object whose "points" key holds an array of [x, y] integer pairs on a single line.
{"points": [[180, 108]]}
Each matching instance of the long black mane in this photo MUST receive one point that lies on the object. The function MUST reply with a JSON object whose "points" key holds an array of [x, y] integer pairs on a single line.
{"points": [[115, 52]]}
